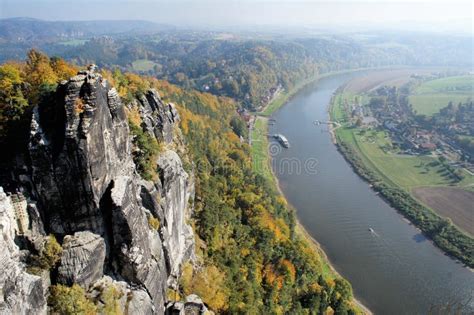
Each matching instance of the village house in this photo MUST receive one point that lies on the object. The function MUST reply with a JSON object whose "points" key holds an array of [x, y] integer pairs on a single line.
{"points": [[369, 121], [428, 146]]}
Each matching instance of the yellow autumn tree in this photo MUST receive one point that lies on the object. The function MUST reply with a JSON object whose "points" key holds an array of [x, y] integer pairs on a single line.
{"points": [[38, 69], [70, 301], [38, 72], [136, 84], [12, 102], [62, 69], [111, 299], [208, 283], [288, 268]]}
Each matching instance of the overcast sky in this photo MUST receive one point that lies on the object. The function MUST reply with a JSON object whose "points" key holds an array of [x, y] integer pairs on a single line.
{"points": [[436, 14]]}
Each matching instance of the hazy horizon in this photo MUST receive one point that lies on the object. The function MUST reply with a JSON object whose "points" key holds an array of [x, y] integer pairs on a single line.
{"points": [[438, 15]]}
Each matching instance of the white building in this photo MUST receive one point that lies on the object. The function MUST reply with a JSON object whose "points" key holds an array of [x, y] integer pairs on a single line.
{"points": [[21, 214]]}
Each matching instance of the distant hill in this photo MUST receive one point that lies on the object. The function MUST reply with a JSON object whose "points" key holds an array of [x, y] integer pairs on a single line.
{"points": [[28, 30], [248, 68]]}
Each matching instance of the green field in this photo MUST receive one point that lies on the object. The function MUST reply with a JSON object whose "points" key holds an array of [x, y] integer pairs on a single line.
{"points": [[431, 96], [143, 65], [74, 42], [405, 171], [260, 158], [377, 153]]}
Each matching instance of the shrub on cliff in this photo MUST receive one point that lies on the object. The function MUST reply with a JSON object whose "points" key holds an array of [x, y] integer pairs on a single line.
{"points": [[51, 253], [47, 258], [146, 152], [70, 300]]}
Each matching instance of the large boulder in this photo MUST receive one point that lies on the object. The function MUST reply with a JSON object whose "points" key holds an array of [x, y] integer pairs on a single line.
{"points": [[129, 298], [82, 259], [140, 303], [192, 305]]}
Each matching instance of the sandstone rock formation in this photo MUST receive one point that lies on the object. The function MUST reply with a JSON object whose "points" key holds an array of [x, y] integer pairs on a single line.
{"points": [[82, 259], [92, 198], [20, 292], [192, 305]]}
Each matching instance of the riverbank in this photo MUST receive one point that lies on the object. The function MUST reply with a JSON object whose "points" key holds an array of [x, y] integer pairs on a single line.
{"points": [[328, 268], [259, 147], [284, 97], [259, 140], [444, 234], [262, 165]]}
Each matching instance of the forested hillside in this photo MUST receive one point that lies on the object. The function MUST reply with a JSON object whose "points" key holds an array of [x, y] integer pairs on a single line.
{"points": [[238, 65], [250, 70], [246, 229], [249, 258]]}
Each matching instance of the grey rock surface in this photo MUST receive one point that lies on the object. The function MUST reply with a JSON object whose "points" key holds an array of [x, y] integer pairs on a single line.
{"points": [[158, 118], [91, 193], [140, 303], [82, 259], [20, 292], [175, 187], [132, 300], [77, 147], [192, 305], [140, 257]]}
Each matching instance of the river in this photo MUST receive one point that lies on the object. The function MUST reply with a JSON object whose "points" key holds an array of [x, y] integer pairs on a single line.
{"points": [[394, 269]]}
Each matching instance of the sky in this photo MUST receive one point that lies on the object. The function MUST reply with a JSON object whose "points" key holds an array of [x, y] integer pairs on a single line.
{"points": [[437, 15]]}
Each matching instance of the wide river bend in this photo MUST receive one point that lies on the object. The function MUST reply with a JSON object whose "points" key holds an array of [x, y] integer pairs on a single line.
{"points": [[394, 269]]}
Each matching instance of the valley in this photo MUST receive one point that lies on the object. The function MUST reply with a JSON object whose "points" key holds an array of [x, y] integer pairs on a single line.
{"points": [[243, 167]]}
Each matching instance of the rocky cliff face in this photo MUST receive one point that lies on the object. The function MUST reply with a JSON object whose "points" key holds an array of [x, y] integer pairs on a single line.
{"points": [[20, 292], [91, 197]]}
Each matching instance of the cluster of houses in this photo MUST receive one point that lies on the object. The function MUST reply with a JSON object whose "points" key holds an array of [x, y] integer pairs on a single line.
{"points": [[247, 116], [407, 135], [270, 95], [267, 98], [363, 115], [411, 137]]}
